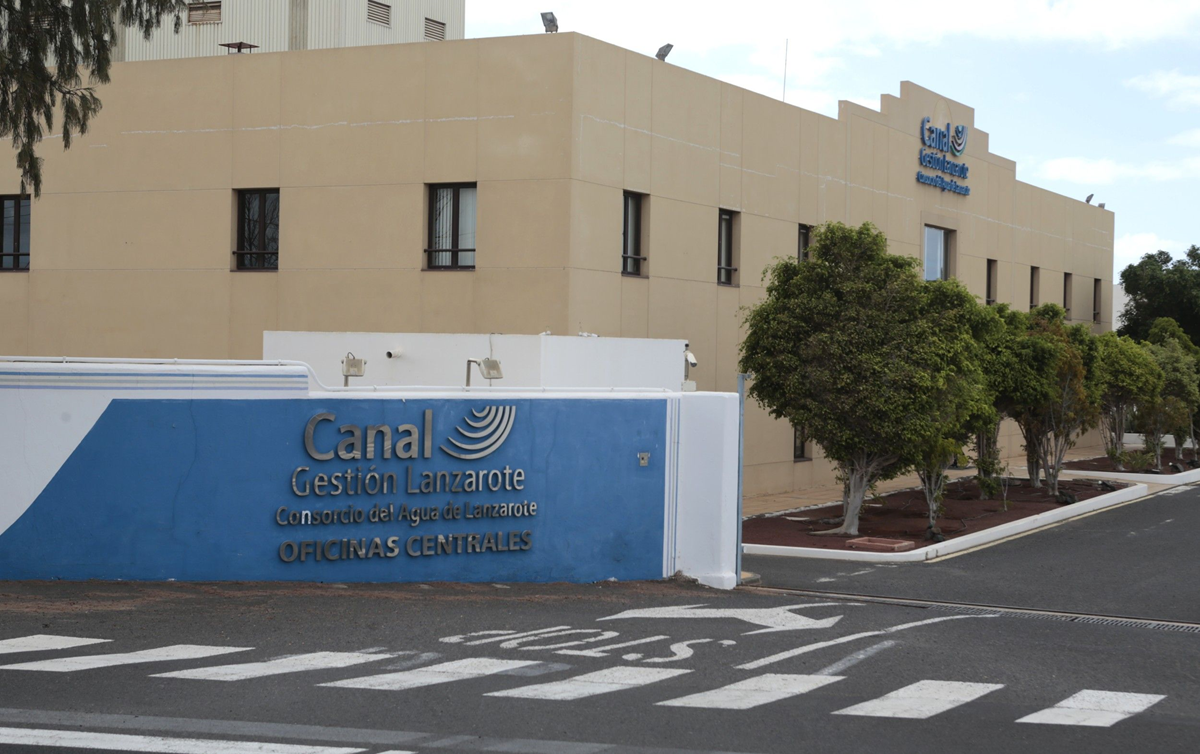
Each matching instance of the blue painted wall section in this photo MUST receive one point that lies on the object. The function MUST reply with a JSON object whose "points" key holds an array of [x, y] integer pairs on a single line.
{"points": [[192, 490]]}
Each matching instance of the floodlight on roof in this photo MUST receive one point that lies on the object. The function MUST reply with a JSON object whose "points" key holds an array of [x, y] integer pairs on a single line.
{"points": [[238, 47], [664, 51], [550, 22], [1089, 198]]}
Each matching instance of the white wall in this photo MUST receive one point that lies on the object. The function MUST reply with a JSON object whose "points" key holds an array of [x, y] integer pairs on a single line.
{"points": [[438, 360]]}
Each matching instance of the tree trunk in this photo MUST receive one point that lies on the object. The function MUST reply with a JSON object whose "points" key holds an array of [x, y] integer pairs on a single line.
{"points": [[1034, 468]]}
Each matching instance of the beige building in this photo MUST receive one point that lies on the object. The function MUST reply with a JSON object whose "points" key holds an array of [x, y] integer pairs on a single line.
{"points": [[484, 186]]}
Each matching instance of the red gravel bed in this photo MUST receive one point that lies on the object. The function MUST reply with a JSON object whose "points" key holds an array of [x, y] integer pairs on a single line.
{"points": [[1103, 463], [904, 515]]}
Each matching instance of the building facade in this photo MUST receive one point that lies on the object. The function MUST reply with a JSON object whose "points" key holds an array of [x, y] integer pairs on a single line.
{"points": [[210, 27], [518, 185]]}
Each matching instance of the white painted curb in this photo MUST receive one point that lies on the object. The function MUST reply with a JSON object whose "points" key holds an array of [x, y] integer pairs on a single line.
{"points": [[958, 544], [1167, 480]]}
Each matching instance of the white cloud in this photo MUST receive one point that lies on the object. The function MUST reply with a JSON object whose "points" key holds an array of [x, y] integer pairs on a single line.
{"points": [[1186, 139], [1131, 247], [1104, 171], [1178, 89]]}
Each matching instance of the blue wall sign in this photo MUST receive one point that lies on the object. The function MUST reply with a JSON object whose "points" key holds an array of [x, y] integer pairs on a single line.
{"points": [[952, 140], [354, 490]]}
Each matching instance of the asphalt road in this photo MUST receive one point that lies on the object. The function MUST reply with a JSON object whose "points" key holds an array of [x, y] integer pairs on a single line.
{"points": [[1139, 560], [456, 668]]}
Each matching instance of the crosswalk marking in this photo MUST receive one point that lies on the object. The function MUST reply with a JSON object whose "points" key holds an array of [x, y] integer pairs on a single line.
{"points": [[754, 692], [592, 684], [296, 664], [44, 643], [922, 699], [1098, 709], [82, 739], [159, 654], [456, 670]]}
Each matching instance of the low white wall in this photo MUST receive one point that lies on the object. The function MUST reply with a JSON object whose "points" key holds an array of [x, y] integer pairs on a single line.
{"points": [[433, 359], [706, 542]]}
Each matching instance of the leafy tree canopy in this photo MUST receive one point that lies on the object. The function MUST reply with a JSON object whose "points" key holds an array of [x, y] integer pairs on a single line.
{"points": [[1164, 329], [1159, 287], [49, 48]]}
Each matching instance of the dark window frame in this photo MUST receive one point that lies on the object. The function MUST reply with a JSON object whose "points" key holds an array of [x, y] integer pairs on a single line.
{"points": [[989, 294], [456, 206], [800, 444], [804, 241], [260, 258], [632, 258], [16, 255], [1035, 280], [947, 240], [726, 267], [1068, 293], [1097, 299]]}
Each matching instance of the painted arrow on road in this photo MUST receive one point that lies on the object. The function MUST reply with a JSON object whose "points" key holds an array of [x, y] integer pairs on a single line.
{"points": [[773, 618]]}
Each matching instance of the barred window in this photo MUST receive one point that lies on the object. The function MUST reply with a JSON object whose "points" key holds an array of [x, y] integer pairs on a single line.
{"points": [[258, 229], [451, 227], [631, 235], [14, 247]]}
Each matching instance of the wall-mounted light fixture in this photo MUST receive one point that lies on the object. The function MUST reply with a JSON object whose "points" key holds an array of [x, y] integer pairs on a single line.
{"points": [[550, 22], [488, 368], [352, 367]]}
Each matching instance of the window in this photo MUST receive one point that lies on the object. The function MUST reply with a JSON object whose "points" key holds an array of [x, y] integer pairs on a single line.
{"points": [[936, 253], [258, 229], [1067, 294], [631, 236], [800, 444], [435, 31], [379, 13], [14, 249], [805, 240], [1096, 300], [451, 227], [1035, 275], [726, 254], [204, 12], [990, 294]]}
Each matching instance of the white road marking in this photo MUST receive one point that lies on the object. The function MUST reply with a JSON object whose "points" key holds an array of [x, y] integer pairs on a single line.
{"points": [[754, 692], [680, 651], [850, 661], [510, 635], [45, 642], [603, 651], [1098, 709], [852, 637], [455, 670], [592, 684], [279, 666], [82, 739], [159, 654], [922, 699], [772, 618]]}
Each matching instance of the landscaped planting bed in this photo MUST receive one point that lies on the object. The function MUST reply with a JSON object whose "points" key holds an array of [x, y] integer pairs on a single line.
{"points": [[1104, 463], [903, 515]]}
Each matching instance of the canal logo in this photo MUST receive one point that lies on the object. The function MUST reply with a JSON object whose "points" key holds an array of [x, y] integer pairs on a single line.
{"points": [[958, 140], [488, 430]]}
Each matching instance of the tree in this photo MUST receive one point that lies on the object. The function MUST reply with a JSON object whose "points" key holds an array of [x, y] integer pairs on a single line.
{"points": [[993, 341], [853, 346], [1127, 376], [1176, 402], [1159, 287], [49, 46], [1162, 331]]}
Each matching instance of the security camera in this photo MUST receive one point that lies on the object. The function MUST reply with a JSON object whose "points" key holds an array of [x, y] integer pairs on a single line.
{"points": [[393, 353], [691, 359]]}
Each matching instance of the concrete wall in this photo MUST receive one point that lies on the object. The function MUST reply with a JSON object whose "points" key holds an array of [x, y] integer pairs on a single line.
{"points": [[132, 237], [527, 360], [196, 472]]}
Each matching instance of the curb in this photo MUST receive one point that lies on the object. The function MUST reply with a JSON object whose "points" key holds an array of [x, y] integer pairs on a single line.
{"points": [[1167, 480], [965, 542]]}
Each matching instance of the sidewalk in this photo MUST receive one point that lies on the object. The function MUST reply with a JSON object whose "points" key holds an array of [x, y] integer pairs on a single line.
{"points": [[783, 501]]}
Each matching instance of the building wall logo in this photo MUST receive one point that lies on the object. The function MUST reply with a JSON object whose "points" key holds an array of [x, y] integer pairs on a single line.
{"points": [[488, 430], [958, 140]]}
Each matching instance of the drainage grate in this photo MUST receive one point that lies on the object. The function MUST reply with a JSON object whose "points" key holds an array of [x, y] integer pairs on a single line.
{"points": [[1010, 612]]}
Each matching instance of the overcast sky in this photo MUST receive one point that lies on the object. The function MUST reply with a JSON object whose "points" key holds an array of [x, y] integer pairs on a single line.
{"points": [[1088, 96]]}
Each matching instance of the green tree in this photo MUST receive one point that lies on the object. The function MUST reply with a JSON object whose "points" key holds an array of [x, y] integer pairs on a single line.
{"points": [[856, 348], [993, 341], [1159, 287], [1162, 331], [1176, 402], [1127, 377], [49, 47]]}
